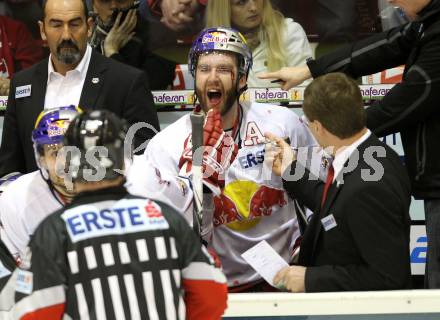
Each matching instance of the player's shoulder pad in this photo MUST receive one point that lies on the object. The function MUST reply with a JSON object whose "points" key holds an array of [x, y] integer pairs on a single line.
{"points": [[170, 213], [170, 132]]}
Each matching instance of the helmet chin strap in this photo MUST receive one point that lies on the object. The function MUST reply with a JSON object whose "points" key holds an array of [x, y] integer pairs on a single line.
{"points": [[62, 191], [239, 91], [44, 172], [195, 93]]}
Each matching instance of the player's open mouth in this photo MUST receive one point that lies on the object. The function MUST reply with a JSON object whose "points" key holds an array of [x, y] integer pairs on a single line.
{"points": [[214, 97]]}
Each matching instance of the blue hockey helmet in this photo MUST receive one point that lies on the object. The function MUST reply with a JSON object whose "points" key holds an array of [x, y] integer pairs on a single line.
{"points": [[221, 39]]}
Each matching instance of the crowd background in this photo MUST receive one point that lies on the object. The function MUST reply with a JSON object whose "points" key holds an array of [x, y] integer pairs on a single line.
{"points": [[328, 23]]}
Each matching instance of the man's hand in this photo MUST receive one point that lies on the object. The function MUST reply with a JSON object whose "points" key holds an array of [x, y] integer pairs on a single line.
{"points": [[219, 152], [178, 14], [292, 278], [289, 76], [4, 86], [120, 33], [279, 153]]}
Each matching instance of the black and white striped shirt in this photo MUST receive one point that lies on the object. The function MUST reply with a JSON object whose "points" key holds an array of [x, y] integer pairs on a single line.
{"points": [[110, 255]]}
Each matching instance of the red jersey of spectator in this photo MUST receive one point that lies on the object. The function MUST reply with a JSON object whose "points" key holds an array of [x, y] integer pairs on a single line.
{"points": [[18, 50]]}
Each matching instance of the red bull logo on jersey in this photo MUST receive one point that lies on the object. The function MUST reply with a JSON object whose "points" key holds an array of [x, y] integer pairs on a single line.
{"points": [[127, 216], [242, 204]]}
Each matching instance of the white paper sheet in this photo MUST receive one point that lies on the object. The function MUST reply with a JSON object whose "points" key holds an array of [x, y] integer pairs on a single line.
{"points": [[265, 260]]}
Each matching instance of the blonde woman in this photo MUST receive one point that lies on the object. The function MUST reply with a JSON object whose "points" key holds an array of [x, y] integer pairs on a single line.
{"points": [[275, 41]]}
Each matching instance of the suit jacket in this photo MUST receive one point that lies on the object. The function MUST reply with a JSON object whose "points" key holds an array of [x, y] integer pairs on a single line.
{"points": [[366, 245], [121, 89]]}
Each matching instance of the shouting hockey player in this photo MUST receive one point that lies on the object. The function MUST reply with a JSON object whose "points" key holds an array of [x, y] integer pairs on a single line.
{"points": [[248, 203]]}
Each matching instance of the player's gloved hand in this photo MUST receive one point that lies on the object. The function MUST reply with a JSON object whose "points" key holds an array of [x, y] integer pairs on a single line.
{"points": [[219, 152]]}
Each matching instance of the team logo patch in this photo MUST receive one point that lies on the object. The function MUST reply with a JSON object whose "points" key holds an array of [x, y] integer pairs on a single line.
{"points": [[102, 219], [159, 178], [183, 187], [25, 282], [57, 128], [23, 91], [217, 37], [329, 222], [243, 203]]}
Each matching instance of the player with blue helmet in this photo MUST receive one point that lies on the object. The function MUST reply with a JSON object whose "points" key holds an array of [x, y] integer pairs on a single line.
{"points": [[33, 196], [48, 138], [227, 42]]}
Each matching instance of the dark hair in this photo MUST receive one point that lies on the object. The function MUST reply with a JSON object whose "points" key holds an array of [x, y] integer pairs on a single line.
{"points": [[84, 3], [335, 100]]}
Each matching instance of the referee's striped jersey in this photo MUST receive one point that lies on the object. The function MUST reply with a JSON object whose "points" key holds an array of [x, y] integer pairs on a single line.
{"points": [[111, 255]]}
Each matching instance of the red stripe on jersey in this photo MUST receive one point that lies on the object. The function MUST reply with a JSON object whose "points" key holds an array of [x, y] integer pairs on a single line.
{"points": [[205, 299], [54, 312]]}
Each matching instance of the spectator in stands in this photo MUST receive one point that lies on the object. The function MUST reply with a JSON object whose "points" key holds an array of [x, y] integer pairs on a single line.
{"points": [[125, 38], [27, 11], [177, 14], [410, 107], [73, 74], [18, 50], [358, 237], [336, 20], [275, 41]]}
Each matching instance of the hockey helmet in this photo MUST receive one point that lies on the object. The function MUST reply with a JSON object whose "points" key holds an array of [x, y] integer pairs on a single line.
{"points": [[92, 132], [221, 39], [50, 127]]}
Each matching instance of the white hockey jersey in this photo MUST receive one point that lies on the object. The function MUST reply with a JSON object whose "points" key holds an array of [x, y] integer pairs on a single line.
{"points": [[147, 180], [23, 205], [253, 205]]}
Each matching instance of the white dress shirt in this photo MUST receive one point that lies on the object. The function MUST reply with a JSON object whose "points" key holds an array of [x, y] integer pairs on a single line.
{"points": [[343, 155], [66, 90]]}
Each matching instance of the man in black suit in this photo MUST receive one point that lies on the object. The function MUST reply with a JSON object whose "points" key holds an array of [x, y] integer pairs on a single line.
{"points": [[358, 237], [73, 74]]}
